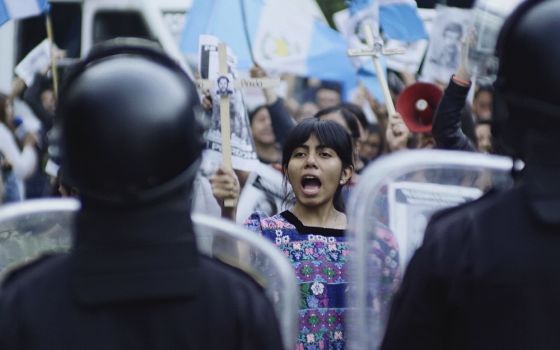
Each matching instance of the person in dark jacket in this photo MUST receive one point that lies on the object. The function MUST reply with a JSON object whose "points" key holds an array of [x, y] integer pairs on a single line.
{"points": [[487, 275], [450, 120], [270, 123], [453, 126], [130, 144]]}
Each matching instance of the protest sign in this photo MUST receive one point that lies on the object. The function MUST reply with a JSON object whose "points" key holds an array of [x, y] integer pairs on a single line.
{"points": [[444, 51], [36, 61], [263, 192], [243, 154], [411, 204]]}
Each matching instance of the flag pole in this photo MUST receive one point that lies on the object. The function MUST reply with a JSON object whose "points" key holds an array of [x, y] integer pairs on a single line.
{"points": [[54, 71], [246, 30]]}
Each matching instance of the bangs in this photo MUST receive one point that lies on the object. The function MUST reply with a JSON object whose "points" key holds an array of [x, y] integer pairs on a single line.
{"points": [[328, 133]]}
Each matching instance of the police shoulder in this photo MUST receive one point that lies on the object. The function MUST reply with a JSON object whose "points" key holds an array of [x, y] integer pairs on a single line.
{"points": [[455, 219], [230, 268], [485, 198]]}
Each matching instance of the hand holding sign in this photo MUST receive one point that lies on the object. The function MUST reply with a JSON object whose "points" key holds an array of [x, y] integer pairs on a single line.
{"points": [[230, 130]]}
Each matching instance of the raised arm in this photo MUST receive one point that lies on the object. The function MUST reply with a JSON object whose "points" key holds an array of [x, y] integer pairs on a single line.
{"points": [[446, 124]]}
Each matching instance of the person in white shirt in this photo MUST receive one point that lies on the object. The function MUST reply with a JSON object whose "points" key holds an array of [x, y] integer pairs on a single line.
{"points": [[17, 164]]}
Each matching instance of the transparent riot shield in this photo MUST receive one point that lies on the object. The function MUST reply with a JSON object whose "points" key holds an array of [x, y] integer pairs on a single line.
{"points": [[388, 212], [31, 228], [258, 257]]}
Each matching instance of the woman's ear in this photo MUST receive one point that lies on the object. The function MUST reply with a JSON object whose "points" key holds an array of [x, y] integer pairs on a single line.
{"points": [[346, 175]]}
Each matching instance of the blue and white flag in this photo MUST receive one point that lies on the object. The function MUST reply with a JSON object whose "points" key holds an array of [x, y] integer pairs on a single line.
{"points": [[15, 9], [284, 35], [361, 11], [399, 20]]}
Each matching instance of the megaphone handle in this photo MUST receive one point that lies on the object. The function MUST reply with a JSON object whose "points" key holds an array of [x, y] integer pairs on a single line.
{"points": [[384, 86]]}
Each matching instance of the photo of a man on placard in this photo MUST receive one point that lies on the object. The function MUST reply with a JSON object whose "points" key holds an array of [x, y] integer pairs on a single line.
{"points": [[448, 55], [444, 49], [223, 86]]}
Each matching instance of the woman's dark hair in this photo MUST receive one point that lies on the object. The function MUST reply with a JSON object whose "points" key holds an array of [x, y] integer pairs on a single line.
{"points": [[358, 112], [254, 112], [329, 134], [375, 129], [4, 101], [349, 117]]}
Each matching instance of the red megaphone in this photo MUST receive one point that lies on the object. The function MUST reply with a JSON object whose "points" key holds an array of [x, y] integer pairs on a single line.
{"points": [[417, 103]]}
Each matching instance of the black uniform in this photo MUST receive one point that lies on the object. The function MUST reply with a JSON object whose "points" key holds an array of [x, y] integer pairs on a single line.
{"points": [[488, 273], [130, 143], [134, 281], [486, 277]]}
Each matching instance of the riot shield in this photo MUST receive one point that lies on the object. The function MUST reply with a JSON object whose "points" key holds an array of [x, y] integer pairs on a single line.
{"points": [[388, 212], [258, 257], [31, 228]]}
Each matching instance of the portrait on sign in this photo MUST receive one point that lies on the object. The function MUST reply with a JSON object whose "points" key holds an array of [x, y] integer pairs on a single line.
{"points": [[444, 51], [244, 156], [224, 85]]}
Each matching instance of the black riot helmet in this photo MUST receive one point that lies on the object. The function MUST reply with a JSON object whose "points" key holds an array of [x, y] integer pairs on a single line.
{"points": [[527, 88], [128, 124]]}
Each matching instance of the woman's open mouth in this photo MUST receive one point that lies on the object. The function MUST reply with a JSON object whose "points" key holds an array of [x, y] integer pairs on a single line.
{"points": [[310, 185]]}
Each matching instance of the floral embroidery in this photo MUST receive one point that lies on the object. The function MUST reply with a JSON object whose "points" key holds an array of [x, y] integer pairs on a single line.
{"points": [[317, 288], [320, 262], [310, 338], [338, 335]]}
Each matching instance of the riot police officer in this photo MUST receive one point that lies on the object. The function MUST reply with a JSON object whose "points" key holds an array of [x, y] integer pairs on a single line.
{"points": [[488, 275], [130, 144]]}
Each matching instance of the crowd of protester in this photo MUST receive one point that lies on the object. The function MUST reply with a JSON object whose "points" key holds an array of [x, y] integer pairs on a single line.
{"points": [[485, 276], [314, 141]]}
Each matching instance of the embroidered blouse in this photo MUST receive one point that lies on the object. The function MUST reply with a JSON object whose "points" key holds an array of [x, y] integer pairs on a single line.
{"points": [[319, 257]]}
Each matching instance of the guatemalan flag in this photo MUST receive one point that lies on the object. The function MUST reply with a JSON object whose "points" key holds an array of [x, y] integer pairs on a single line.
{"points": [[14, 9], [400, 20], [285, 35]]}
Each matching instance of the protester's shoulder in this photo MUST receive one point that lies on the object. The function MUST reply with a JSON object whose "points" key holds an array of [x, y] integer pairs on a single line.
{"points": [[44, 266]]}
